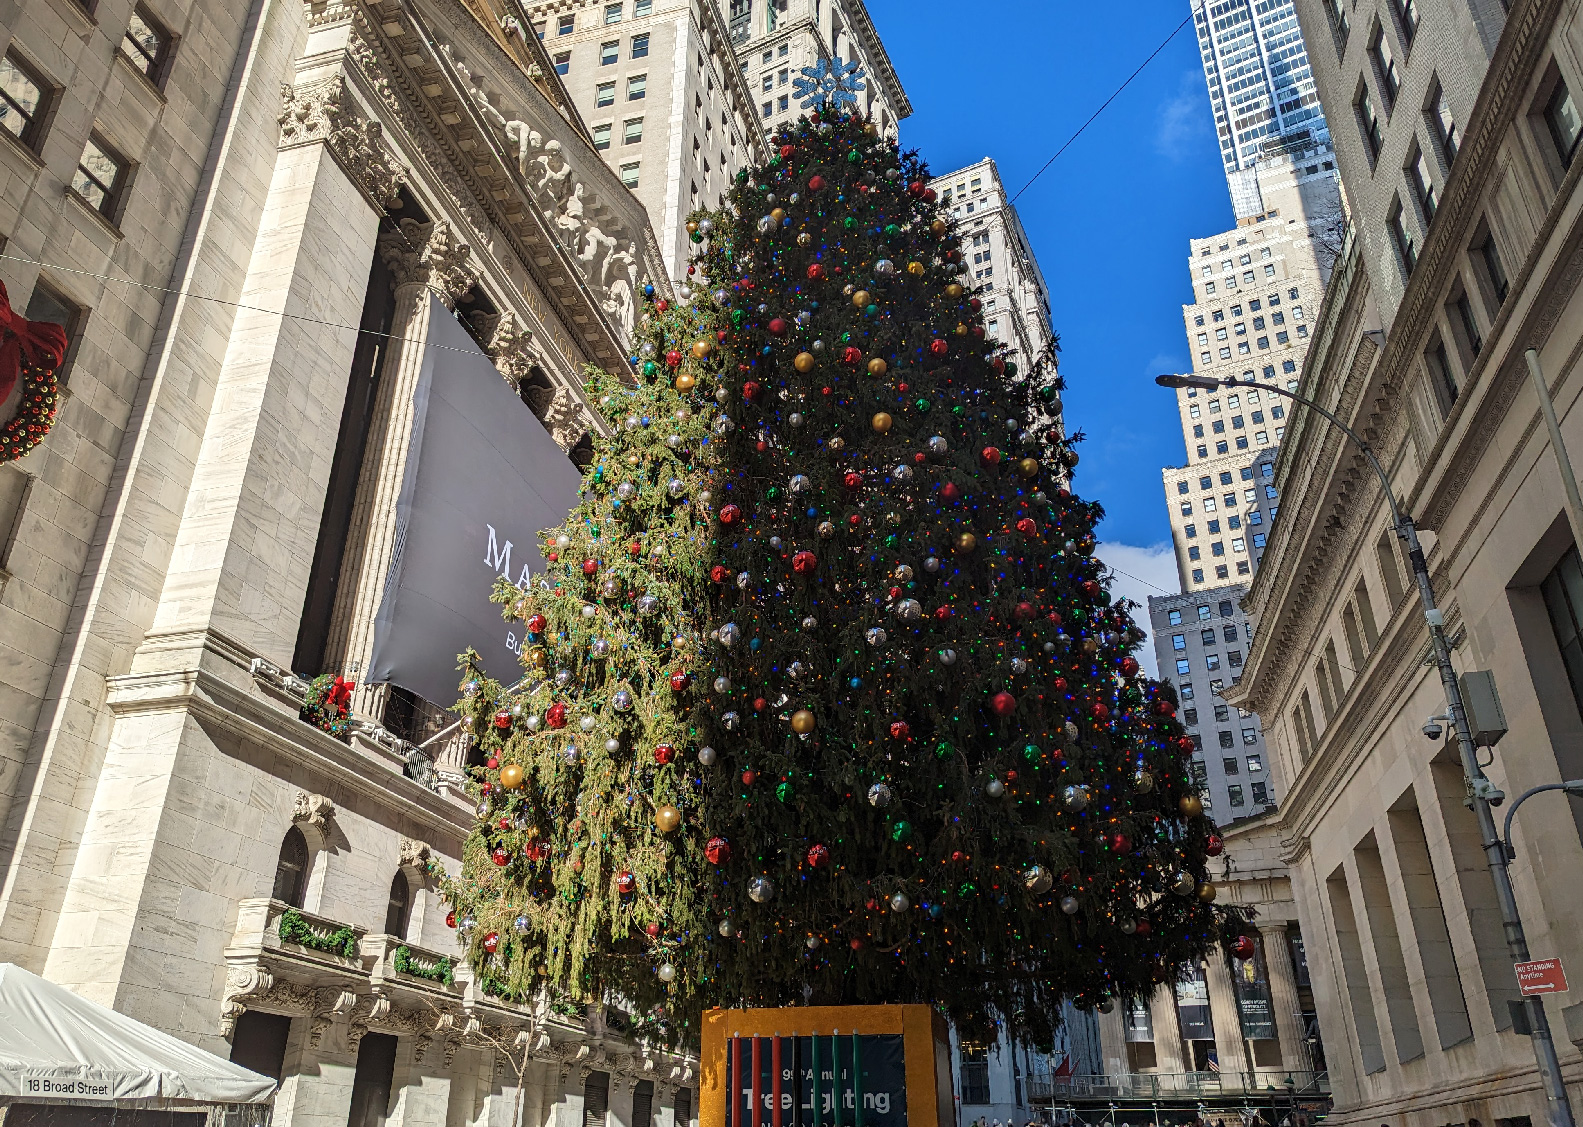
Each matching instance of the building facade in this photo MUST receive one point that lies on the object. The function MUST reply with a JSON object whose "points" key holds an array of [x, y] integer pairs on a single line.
{"points": [[776, 39], [1456, 132], [665, 102], [243, 214], [999, 260]]}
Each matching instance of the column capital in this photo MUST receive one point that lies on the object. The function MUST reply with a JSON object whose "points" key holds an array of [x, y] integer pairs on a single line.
{"points": [[322, 111], [430, 255], [1271, 927]]}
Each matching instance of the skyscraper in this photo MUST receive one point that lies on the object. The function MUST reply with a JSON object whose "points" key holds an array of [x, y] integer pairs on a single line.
{"points": [[1262, 91]]}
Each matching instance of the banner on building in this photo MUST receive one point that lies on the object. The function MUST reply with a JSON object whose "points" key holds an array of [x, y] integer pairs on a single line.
{"points": [[1253, 1000], [483, 479]]}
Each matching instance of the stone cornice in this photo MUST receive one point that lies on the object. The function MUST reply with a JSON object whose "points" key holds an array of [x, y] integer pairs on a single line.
{"points": [[878, 57], [719, 40]]}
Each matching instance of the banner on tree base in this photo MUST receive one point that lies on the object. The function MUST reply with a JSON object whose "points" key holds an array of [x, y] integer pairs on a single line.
{"points": [[826, 1066]]}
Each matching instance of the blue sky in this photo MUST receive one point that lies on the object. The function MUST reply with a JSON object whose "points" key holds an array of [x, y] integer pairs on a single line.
{"points": [[1109, 221]]}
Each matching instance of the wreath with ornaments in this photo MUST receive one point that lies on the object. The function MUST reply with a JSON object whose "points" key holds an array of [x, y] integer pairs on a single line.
{"points": [[30, 352], [327, 705]]}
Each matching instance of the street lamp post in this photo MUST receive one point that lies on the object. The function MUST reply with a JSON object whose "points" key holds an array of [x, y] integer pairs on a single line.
{"points": [[1482, 794]]}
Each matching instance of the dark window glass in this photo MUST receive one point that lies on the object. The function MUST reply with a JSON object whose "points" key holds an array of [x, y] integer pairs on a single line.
{"points": [[396, 910], [1561, 115], [291, 871], [146, 45], [23, 100], [1563, 594]]}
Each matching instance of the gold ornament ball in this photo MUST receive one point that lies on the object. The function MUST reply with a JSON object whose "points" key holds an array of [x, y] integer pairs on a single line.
{"points": [[1091, 645], [802, 721], [938, 226], [702, 348], [877, 367], [953, 290], [684, 382], [870, 130], [1206, 892], [537, 660], [803, 362], [837, 444], [881, 422], [1028, 467], [511, 776], [804, 239], [667, 818], [1190, 805], [961, 329], [632, 459], [860, 298], [778, 214], [966, 542], [915, 269], [692, 227]]}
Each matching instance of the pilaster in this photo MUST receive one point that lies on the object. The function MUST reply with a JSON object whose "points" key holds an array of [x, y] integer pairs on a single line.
{"points": [[1283, 994], [1230, 1046], [1167, 1032]]}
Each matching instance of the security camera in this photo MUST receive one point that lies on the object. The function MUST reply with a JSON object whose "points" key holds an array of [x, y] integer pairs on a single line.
{"points": [[1488, 791], [1432, 728]]}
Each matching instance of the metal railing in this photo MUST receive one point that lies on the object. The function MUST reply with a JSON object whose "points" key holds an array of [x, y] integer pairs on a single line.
{"points": [[1261, 1083]]}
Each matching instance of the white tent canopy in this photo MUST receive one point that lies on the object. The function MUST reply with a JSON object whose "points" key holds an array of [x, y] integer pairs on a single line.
{"points": [[56, 1045]]}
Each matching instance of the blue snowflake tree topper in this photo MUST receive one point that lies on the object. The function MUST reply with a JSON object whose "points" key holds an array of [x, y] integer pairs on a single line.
{"points": [[830, 81]]}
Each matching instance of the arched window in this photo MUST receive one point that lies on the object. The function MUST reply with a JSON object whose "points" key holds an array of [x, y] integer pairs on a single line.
{"points": [[396, 910], [291, 871]]}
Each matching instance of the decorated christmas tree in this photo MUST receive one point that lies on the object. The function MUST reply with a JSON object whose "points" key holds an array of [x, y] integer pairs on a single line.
{"points": [[826, 697]]}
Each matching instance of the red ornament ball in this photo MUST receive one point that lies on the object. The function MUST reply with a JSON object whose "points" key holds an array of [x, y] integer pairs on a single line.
{"points": [[652, 930], [751, 389], [450, 918], [1027, 527], [1214, 845], [815, 183], [555, 715], [719, 573], [492, 763], [856, 944], [777, 326], [1143, 927], [664, 753], [760, 704], [749, 777], [1026, 611], [717, 850], [851, 355], [626, 884], [815, 271], [681, 682], [950, 492], [805, 563], [786, 152], [1059, 684], [590, 566], [939, 347], [1003, 704], [1091, 588], [536, 624], [1121, 843], [500, 857], [492, 942], [855, 520], [852, 479], [1129, 666], [1100, 710], [989, 456], [673, 358], [899, 730], [915, 189], [928, 195], [730, 514], [1243, 947], [502, 719], [818, 856]]}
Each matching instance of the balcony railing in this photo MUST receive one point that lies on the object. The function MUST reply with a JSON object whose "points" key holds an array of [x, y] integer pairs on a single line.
{"points": [[1260, 1084]]}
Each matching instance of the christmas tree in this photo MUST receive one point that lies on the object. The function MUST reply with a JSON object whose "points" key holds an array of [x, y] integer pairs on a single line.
{"points": [[826, 697]]}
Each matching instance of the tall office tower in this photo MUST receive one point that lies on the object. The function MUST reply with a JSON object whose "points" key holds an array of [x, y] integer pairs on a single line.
{"points": [[775, 39], [664, 99], [996, 253], [1256, 290], [1267, 113]]}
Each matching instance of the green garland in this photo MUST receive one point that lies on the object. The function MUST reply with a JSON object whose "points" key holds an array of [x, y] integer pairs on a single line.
{"points": [[35, 413], [442, 971], [319, 708], [296, 929]]}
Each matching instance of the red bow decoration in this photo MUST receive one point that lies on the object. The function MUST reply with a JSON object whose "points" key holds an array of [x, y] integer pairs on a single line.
{"points": [[340, 693], [41, 342]]}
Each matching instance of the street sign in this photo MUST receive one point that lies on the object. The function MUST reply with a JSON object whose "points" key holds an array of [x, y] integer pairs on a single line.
{"points": [[1541, 976]]}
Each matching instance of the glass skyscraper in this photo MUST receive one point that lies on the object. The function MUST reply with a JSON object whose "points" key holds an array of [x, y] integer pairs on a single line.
{"points": [[1260, 83]]}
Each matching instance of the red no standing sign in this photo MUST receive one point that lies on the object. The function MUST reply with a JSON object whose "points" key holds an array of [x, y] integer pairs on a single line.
{"points": [[1541, 976]]}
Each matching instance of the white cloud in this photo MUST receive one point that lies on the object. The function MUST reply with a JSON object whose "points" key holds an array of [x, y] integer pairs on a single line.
{"points": [[1184, 120], [1139, 573]]}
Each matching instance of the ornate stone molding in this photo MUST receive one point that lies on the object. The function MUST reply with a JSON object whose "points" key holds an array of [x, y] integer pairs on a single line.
{"points": [[429, 254], [321, 111], [312, 810], [414, 853]]}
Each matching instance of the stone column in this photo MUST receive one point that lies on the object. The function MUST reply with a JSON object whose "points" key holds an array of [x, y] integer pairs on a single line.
{"points": [[426, 259], [1230, 1046], [1283, 994], [1113, 1042], [1167, 1032]]}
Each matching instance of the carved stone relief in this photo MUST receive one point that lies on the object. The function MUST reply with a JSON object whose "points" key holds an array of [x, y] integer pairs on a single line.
{"points": [[322, 111], [429, 254]]}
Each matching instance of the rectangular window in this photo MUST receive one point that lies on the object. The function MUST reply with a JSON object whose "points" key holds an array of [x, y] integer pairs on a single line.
{"points": [[1211, 661], [1261, 793], [629, 175], [24, 100], [637, 87], [1565, 124], [975, 1073], [563, 63], [769, 108], [642, 8], [1182, 667], [640, 46], [785, 103], [610, 53], [1178, 641], [1369, 122], [1234, 796], [768, 82], [1385, 67], [1207, 636], [1489, 254], [612, 13], [1406, 249], [1269, 271], [602, 136], [604, 94], [1462, 310], [147, 45], [632, 131], [1407, 18], [1175, 617], [1228, 764], [1234, 658], [1423, 186], [565, 25], [101, 178], [1340, 26], [1203, 613], [1445, 126]]}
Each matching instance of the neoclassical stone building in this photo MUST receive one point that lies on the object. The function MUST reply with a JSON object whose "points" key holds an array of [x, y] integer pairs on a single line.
{"points": [[242, 212], [1457, 132]]}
